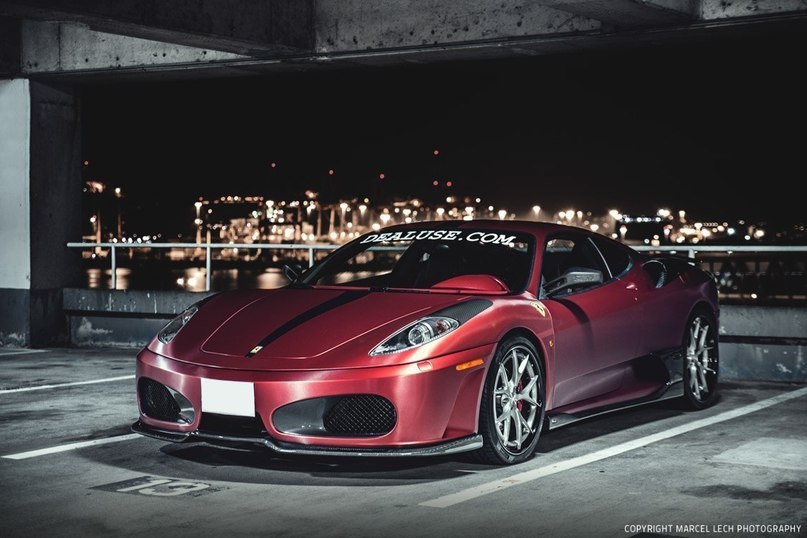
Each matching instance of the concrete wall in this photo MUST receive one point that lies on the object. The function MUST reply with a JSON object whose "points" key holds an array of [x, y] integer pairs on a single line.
{"points": [[55, 210], [40, 208], [10, 45], [757, 343], [121, 318], [763, 342], [785, 322]]}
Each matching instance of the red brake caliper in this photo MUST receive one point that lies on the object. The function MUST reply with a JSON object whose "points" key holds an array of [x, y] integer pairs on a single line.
{"points": [[520, 403]]}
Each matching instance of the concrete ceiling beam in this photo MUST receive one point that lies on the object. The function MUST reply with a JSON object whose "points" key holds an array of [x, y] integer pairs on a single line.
{"points": [[249, 27], [630, 13]]}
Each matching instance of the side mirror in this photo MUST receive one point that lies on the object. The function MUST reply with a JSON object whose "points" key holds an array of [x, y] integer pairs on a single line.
{"points": [[577, 278], [292, 271]]}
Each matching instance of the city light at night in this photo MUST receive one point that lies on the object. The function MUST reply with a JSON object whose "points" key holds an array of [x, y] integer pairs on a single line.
{"points": [[254, 218]]}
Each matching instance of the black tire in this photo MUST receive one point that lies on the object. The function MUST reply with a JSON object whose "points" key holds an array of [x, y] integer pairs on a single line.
{"points": [[528, 403], [701, 361]]}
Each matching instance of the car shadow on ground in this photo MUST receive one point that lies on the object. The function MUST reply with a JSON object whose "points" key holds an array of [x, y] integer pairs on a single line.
{"points": [[258, 465], [353, 470]]}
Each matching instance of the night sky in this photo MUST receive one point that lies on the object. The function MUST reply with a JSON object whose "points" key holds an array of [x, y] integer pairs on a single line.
{"points": [[636, 129]]}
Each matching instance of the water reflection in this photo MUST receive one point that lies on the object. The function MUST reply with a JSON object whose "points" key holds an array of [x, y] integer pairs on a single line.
{"points": [[102, 278], [192, 280]]}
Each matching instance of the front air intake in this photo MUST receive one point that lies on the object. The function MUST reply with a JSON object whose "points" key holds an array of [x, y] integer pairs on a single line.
{"points": [[360, 414], [162, 403]]}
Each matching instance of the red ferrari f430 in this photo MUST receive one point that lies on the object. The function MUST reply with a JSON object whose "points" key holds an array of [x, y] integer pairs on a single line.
{"points": [[435, 338]]}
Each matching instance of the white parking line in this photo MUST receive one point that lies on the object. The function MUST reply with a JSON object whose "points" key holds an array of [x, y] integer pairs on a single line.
{"points": [[72, 446], [9, 352], [73, 384], [497, 485]]}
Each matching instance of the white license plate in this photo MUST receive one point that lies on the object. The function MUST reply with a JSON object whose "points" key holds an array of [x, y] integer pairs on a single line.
{"points": [[228, 397]]}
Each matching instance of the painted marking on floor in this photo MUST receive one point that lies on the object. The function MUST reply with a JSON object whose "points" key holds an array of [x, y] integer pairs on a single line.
{"points": [[73, 384], [9, 352], [527, 476], [72, 446], [155, 486]]}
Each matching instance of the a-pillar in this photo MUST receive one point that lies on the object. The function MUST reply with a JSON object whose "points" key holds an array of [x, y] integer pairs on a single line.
{"points": [[40, 209]]}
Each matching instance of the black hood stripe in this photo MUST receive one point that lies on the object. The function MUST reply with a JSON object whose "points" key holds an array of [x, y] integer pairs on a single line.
{"points": [[465, 310], [327, 306]]}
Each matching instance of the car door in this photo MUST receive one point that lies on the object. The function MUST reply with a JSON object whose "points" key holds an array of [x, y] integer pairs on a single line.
{"points": [[597, 326]]}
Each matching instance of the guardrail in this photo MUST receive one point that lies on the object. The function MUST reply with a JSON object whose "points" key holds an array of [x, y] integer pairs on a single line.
{"points": [[690, 251]]}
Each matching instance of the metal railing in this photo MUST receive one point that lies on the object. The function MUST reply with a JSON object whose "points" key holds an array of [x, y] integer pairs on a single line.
{"points": [[691, 251]]}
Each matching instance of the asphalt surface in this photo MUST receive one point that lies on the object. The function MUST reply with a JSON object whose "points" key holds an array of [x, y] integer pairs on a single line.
{"points": [[736, 469]]}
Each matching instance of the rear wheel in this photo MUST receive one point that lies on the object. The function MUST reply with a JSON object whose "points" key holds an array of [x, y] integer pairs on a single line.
{"points": [[512, 408], [701, 363]]}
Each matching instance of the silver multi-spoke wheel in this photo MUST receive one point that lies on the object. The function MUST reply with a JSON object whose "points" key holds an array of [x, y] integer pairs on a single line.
{"points": [[512, 411], [516, 403], [701, 367]]}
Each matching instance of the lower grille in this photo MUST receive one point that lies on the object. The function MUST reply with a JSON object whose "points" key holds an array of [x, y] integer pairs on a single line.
{"points": [[156, 401], [232, 425], [360, 414]]}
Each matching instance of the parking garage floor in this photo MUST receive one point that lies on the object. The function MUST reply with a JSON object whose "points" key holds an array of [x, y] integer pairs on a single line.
{"points": [[70, 466]]}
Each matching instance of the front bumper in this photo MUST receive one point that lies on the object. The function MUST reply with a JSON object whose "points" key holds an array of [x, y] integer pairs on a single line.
{"points": [[436, 405]]}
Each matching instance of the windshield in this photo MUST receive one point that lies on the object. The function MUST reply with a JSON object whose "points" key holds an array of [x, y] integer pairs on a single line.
{"points": [[423, 259]]}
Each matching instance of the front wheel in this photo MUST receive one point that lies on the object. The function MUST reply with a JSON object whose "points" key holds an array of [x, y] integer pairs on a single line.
{"points": [[512, 408], [701, 363]]}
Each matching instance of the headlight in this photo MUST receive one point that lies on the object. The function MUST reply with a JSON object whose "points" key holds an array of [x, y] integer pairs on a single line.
{"points": [[418, 333], [170, 331]]}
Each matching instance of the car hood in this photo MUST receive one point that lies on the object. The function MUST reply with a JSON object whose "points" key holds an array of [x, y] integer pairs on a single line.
{"points": [[293, 328]]}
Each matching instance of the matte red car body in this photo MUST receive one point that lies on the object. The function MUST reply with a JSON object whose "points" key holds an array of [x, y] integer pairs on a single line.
{"points": [[589, 343]]}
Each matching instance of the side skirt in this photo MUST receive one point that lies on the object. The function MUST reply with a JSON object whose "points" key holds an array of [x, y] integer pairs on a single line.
{"points": [[668, 392], [674, 388]]}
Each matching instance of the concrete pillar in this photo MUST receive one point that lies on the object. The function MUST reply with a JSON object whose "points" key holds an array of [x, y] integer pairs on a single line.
{"points": [[40, 209]]}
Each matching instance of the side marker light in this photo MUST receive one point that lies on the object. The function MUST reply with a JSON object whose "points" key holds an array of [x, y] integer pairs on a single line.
{"points": [[470, 364]]}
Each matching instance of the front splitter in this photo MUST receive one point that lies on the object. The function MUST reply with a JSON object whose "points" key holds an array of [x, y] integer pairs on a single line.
{"points": [[455, 446]]}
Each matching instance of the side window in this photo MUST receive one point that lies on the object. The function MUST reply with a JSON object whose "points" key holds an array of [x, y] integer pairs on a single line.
{"points": [[570, 263], [616, 256]]}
